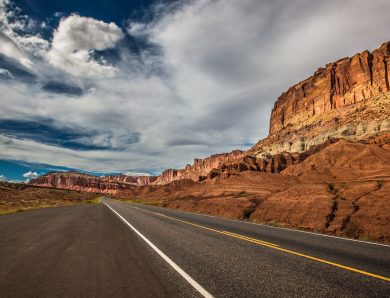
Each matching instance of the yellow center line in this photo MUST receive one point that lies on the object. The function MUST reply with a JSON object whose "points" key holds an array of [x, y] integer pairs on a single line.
{"points": [[246, 238], [249, 239], [272, 245]]}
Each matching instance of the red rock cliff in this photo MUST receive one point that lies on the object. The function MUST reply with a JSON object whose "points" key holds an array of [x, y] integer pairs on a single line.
{"points": [[345, 82], [136, 180], [89, 183], [200, 168]]}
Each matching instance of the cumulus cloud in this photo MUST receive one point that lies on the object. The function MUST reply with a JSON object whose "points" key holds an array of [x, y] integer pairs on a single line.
{"points": [[74, 42], [30, 175]]}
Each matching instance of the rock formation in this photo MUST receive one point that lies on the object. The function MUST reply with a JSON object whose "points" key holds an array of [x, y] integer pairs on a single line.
{"points": [[342, 83], [347, 99], [134, 180], [272, 164], [90, 183], [200, 168]]}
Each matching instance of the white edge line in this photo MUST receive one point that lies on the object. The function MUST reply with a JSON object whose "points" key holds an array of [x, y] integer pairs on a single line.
{"points": [[188, 278], [268, 226]]}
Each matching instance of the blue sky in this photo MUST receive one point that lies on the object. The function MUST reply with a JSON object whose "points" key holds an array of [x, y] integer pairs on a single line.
{"points": [[118, 11], [15, 170], [140, 86]]}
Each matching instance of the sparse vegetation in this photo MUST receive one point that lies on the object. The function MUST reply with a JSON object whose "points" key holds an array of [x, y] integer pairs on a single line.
{"points": [[352, 230], [92, 201], [141, 201], [4, 212], [18, 197], [22, 209], [273, 223], [242, 194]]}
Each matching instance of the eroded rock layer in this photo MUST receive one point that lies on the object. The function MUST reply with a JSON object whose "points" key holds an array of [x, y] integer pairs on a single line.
{"points": [[135, 180], [342, 83], [200, 168], [90, 183]]}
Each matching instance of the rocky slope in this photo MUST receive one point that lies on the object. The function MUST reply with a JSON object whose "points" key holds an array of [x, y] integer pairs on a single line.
{"points": [[90, 183], [342, 188]]}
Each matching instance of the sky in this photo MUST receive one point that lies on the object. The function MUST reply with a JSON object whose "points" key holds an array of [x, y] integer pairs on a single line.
{"points": [[140, 86]]}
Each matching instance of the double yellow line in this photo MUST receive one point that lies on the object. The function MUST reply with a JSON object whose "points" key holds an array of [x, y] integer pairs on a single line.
{"points": [[271, 245]]}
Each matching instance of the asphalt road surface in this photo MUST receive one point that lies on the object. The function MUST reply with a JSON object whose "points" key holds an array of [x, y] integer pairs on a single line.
{"points": [[126, 250]]}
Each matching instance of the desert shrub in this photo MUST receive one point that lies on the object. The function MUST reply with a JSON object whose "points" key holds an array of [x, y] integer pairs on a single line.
{"points": [[352, 230]]}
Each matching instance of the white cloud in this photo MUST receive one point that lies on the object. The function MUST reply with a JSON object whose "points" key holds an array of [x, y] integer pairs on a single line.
{"points": [[3, 178], [136, 174], [30, 175], [27, 150], [76, 38], [230, 60], [35, 44], [209, 88], [17, 39], [10, 49]]}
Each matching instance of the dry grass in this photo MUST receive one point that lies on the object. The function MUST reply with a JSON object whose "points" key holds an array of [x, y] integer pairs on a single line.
{"points": [[19, 197], [141, 201]]}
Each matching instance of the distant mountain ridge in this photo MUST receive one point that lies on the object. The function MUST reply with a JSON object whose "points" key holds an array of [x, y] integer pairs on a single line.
{"points": [[89, 183]]}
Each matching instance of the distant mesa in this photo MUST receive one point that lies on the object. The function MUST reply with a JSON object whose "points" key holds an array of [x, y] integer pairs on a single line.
{"points": [[89, 183]]}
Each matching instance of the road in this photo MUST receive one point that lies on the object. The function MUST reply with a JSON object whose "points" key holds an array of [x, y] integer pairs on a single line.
{"points": [[127, 250]]}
